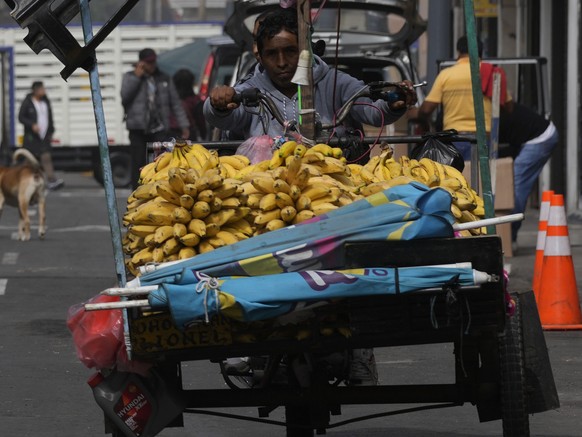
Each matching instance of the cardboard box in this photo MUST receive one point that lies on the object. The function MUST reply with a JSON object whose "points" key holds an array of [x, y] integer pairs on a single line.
{"points": [[504, 231], [504, 195]]}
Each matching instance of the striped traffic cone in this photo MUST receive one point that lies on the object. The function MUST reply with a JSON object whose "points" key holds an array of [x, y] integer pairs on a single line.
{"points": [[558, 302], [542, 226]]}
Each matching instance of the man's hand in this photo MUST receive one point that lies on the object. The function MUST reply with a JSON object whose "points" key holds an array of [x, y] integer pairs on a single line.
{"points": [[409, 94], [35, 128], [221, 98], [185, 133], [139, 70]]}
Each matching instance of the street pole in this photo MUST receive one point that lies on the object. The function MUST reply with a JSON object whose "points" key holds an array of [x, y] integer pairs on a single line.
{"points": [[305, 97]]}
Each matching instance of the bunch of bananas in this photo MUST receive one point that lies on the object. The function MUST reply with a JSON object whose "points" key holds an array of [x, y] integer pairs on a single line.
{"points": [[296, 184], [192, 201], [383, 171], [188, 203]]}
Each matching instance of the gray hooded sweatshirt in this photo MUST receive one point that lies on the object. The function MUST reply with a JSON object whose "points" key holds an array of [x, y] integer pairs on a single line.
{"points": [[247, 122]]}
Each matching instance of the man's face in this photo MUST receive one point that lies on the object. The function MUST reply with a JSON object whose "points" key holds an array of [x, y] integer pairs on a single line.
{"points": [[279, 58], [149, 67], [39, 92]]}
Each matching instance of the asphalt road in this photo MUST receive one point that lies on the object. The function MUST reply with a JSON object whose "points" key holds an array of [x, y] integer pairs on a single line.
{"points": [[43, 390]]}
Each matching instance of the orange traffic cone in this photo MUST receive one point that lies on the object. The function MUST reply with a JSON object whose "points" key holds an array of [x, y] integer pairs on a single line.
{"points": [[558, 305], [542, 226]]}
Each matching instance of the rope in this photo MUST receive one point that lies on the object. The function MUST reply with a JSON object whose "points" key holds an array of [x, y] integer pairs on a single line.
{"points": [[205, 285]]}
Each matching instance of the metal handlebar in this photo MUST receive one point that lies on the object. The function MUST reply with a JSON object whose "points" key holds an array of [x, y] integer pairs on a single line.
{"points": [[380, 90]]}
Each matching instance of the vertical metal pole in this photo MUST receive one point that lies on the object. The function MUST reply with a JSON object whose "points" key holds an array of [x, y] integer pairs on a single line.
{"points": [[307, 119], [479, 112], [110, 198]]}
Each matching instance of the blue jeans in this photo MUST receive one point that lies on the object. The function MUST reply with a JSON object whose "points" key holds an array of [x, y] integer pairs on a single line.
{"points": [[526, 168]]}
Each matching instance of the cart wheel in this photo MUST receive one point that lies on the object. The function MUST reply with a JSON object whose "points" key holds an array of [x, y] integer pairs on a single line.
{"points": [[513, 387], [297, 420]]}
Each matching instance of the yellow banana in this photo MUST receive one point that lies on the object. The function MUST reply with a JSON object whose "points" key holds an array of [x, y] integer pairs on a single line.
{"points": [[322, 148], [145, 192], [162, 161], [197, 226], [281, 186], [275, 224], [337, 152], [293, 168], [219, 218], [215, 204], [186, 201], [165, 190], [186, 252], [190, 240], [301, 216], [157, 254], [264, 184], [304, 202], [231, 203], [200, 210], [300, 150], [179, 230], [142, 257], [242, 226], [323, 208], [268, 202], [227, 237], [171, 246], [206, 196], [283, 199], [288, 213], [316, 191], [301, 178], [181, 215], [264, 217], [191, 190], [163, 233], [205, 247], [287, 149], [227, 189], [294, 192], [454, 173], [142, 230], [216, 242]]}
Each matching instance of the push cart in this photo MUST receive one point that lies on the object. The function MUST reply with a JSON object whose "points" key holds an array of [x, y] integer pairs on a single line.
{"points": [[501, 364]]}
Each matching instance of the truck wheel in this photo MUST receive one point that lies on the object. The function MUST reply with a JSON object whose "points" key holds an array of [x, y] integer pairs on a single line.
{"points": [[513, 386], [297, 420], [120, 169]]}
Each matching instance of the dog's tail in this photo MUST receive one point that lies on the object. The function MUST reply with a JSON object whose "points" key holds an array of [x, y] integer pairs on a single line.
{"points": [[26, 154]]}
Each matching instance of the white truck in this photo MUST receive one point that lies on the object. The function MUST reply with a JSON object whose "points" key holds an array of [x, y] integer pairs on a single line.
{"points": [[75, 145]]}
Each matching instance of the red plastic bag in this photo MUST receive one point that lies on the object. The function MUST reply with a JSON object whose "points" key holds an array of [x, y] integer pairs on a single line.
{"points": [[257, 149], [98, 335]]}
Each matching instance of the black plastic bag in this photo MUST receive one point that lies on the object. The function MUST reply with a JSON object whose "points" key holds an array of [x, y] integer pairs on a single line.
{"points": [[438, 147]]}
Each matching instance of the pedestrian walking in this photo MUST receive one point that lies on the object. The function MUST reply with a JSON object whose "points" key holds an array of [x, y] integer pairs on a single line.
{"points": [[36, 115], [149, 98]]}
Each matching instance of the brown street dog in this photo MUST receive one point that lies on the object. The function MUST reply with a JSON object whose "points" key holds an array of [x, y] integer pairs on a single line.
{"points": [[23, 185]]}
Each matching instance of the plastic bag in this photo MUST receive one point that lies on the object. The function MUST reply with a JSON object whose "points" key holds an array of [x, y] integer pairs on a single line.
{"points": [[98, 337], [438, 147], [257, 149]]}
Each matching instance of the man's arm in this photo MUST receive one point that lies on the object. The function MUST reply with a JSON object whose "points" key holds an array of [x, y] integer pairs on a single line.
{"points": [[130, 86], [221, 112]]}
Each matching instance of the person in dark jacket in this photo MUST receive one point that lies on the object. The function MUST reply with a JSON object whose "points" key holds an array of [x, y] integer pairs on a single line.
{"points": [[149, 98], [37, 117], [531, 138], [184, 82]]}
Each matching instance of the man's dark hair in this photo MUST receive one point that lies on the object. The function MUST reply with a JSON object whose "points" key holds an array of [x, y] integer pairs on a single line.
{"points": [[463, 46], [275, 22], [36, 85]]}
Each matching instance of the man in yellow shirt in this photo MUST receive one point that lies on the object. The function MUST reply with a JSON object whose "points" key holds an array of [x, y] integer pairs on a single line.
{"points": [[453, 90]]}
